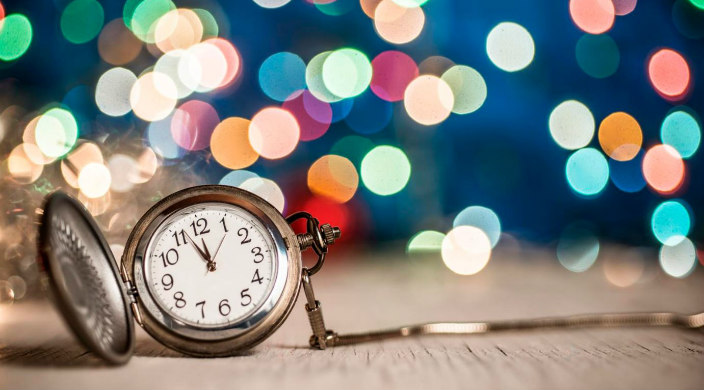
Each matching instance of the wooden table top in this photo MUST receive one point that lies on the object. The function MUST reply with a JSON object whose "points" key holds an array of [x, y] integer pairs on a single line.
{"points": [[388, 289]]}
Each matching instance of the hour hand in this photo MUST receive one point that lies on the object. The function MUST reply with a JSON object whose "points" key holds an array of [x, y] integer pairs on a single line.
{"points": [[202, 254]]}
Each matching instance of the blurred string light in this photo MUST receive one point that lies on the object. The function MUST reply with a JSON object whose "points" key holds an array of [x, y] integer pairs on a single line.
{"points": [[678, 260], [627, 176], [482, 218], [112, 92], [193, 123], [587, 172], [578, 247], [230, 145], [426, 241], [624, 7], [663, 169], [428, 100], [56, 132], [620, 136], [392, 72], [347, 72], [669, 74], [398, 24], [625, 268], [312, 115], [82, 20], [597, 55], [274, 133], [468, 88], [333, 177], [117, 45], [281, 75], [466, 250], [510, 46], [15, 36], [571, 125], [385, 170], [593, 16], [671, 222], [682, 131]]}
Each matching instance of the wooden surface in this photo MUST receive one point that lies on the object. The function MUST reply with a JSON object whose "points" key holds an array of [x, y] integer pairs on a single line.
{"points": [[36, 351]]}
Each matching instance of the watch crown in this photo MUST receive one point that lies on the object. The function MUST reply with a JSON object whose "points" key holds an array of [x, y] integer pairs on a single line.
{"points": [[330, 233]]}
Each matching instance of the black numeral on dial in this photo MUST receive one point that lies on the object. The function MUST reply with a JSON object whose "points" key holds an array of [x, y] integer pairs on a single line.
{"points": [[170, 257], [200, 226], [180, 302], [258, 256], [246, 298], [224, 307], [202, 308], [180, 237], [244, 233], [222, 221], [167, 281]]}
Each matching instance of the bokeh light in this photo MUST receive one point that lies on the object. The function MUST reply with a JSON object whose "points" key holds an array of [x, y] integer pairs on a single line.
{"points": [[122, 168], [21, 166], [587, 171], [369, 114], [314, 78], [230, 145], [578, 248], [313, 116], [468, 88], [94, 180], [56, 132], [428, 100], [15, 36], [398, 24], [669, 74], [392, 71], [182, 68], [624, 7], [160, 139], [593, 16], [117, 45], [663, 169], [333, 177], [347, 72], [687, 18], [671, 222], [141, 16], [482, 218], [334, 7], [353, 147], [624, 268], [571, 125], [271, 3], [266, 189], [193, 123], [369, 7], [112, 92], [236, 178], [678, 260], [385, 170], [82, 20], [598, 55], [435, 65], [207, 20], [153, 96], [178, 29], [510, 46], [627, 176], [274, 133], [466, 250], [72, 165], [282, 74], [682, 131], [426, 241], [620, 136]]}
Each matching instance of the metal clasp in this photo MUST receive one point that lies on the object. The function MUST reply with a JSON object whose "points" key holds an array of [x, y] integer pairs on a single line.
{"points": [[322, 337]]}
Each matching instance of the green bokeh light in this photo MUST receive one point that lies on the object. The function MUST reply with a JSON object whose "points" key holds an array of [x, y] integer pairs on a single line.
{"points": [[347, 72], [427, 241], [598, 55], [314, 79], [337, 7], [697, 3], [467, 86], [15, 36], [56, 132], [385, 170], [143, 16], [410, 3], [210, 25], [82, 21], [354, 147]]}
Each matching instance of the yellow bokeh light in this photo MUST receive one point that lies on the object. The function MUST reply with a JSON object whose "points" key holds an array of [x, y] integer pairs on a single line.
{"points": [[620, 136], [333, 177], [428, 100], [397, 24], [230, 145], [153, 96], [21, 166], [94, 180], [178, 29], [71, 166], [466, 250]]}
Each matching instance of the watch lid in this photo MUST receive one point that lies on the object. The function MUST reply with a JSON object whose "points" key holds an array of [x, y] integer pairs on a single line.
{"points": [[84, 277]]}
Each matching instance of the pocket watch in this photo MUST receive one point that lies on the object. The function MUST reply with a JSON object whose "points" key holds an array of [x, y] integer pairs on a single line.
{"points": [[214, 270], [208, 271]]}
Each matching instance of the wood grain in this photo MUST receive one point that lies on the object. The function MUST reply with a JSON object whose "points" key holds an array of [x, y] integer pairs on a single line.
{"points": [[387, 289]]}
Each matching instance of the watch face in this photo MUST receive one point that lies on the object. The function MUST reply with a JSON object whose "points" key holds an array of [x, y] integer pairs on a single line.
{"points": [[210, 265]]}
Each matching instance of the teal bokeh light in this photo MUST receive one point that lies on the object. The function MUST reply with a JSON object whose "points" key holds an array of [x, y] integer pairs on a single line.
{"points": [[681, 131], [671, 222], [587, 171], [281, 75]]}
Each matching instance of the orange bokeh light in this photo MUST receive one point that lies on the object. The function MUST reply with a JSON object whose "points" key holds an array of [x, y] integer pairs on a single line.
{"points": [[669, 74], [593, 16], [333, 177], [663, 169], [230, 144], [620, 136]]}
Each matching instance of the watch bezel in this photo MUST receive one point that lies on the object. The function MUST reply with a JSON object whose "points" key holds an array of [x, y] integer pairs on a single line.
{"points": [[234, 337]]}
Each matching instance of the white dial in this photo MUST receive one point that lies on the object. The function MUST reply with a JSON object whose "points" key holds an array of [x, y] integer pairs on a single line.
{"points": [[210, 264]]}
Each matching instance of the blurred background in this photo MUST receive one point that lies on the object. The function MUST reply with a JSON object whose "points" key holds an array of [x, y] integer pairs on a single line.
{"points": [[454, 127]]}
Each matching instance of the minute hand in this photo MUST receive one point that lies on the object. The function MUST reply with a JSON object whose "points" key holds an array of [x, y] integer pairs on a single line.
{"points": [[200, 251]]}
